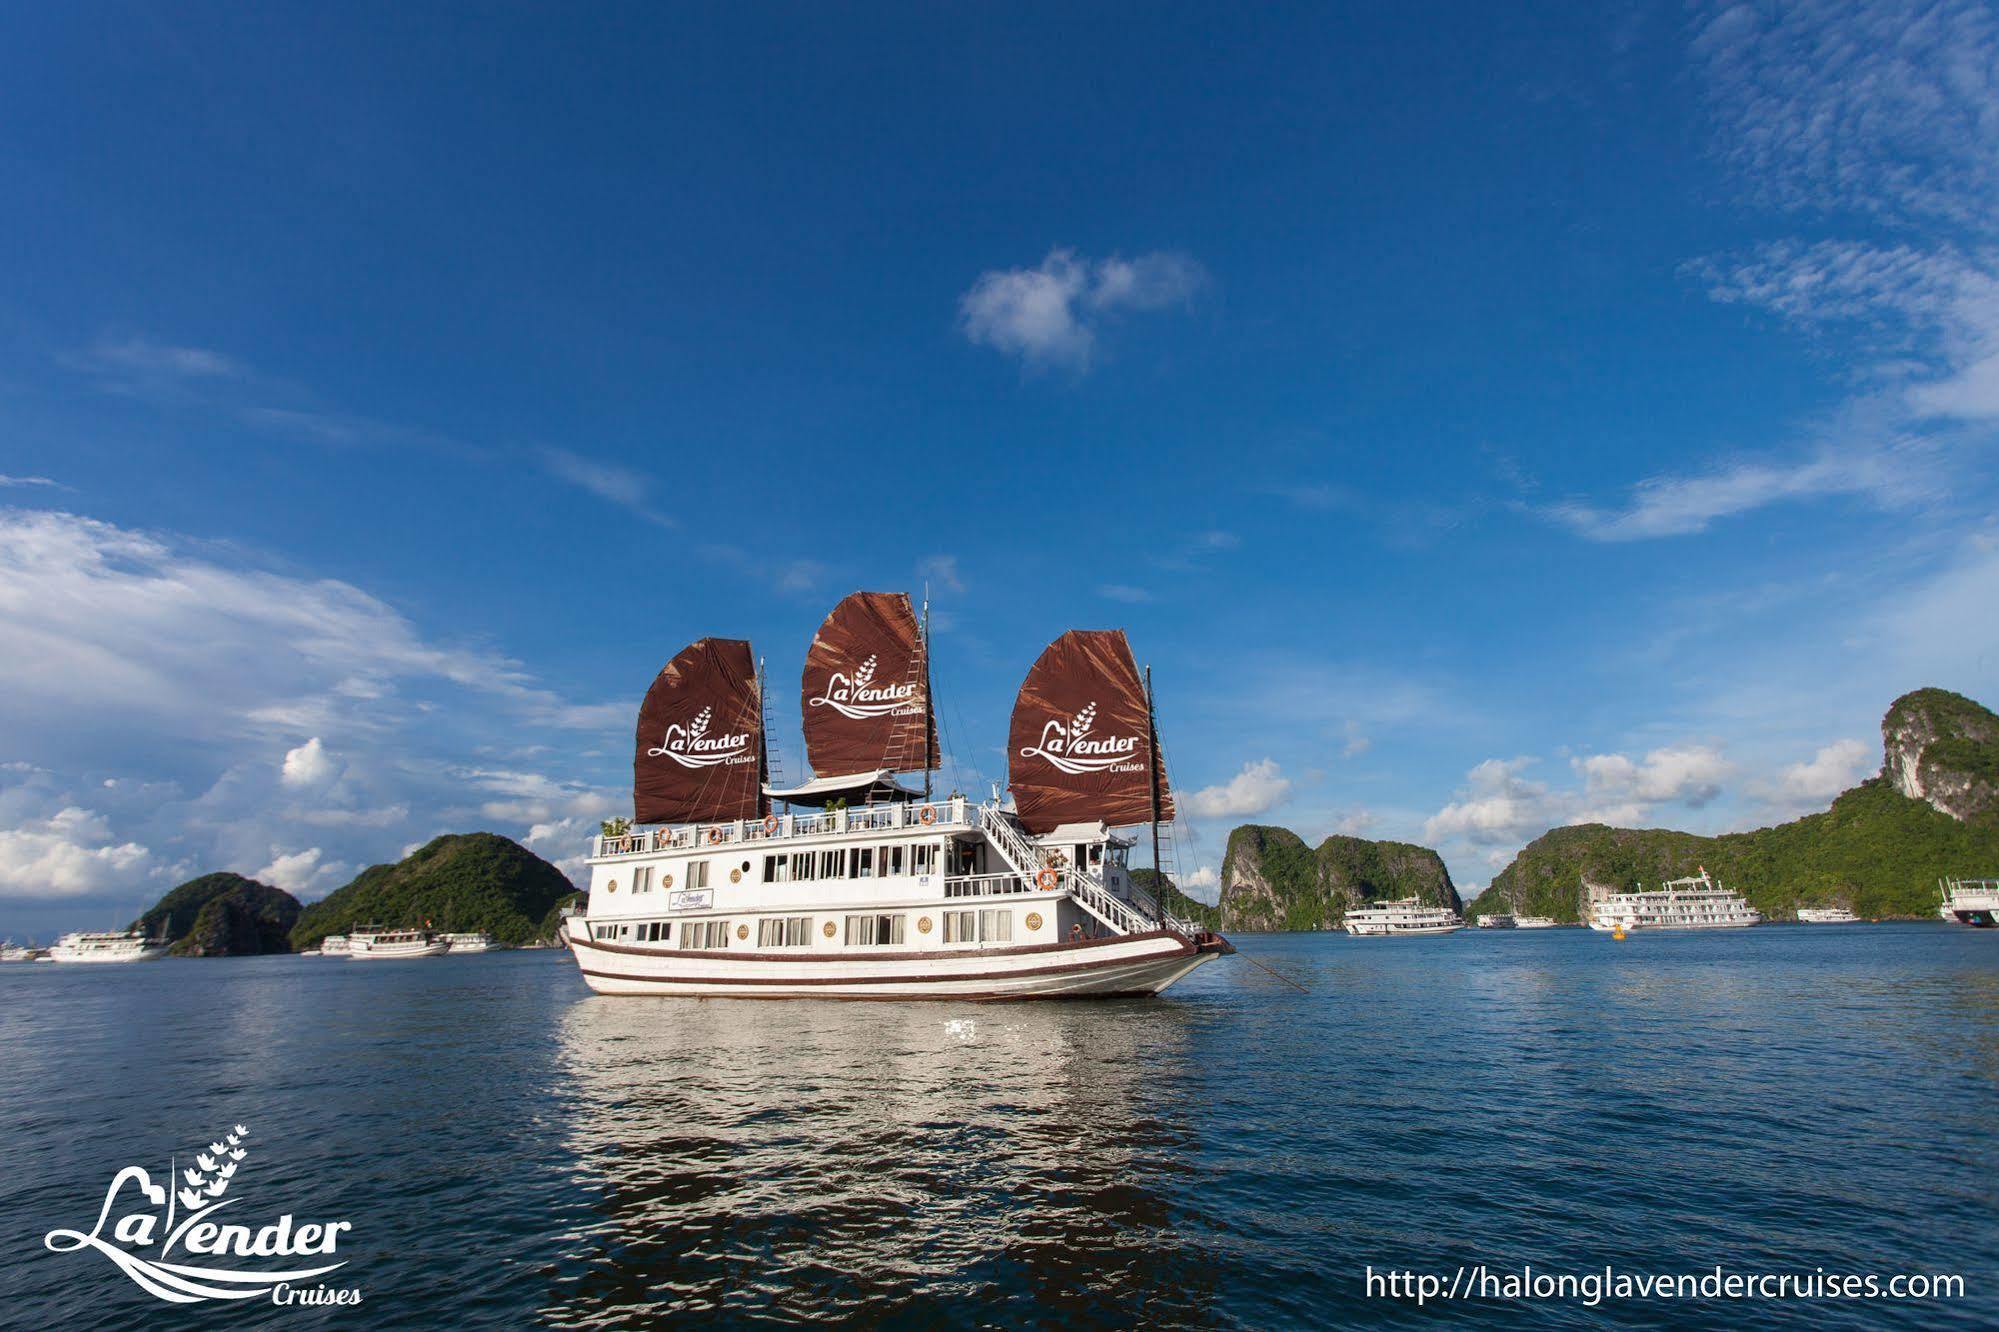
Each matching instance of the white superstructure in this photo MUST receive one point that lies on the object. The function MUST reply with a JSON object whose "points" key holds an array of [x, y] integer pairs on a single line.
{"points": [[474, 942], [1970, 902], [897, 899], [1406, 915], [1534, 923], [107, 946], [1832, 915], [1694, 903], [1497, 920], [13, 952], [379, 944]]}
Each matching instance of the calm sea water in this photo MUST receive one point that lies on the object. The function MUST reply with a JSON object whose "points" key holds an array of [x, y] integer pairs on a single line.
{"points": [[510, 1149]]}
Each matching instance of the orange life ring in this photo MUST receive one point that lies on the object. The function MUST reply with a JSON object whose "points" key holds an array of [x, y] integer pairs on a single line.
{"points": [[771, 825], [1048, 878], [928, 814], [714, 836]]}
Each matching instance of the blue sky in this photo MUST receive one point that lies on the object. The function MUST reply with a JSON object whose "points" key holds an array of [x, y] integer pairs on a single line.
{"points": [[1480, 420]]}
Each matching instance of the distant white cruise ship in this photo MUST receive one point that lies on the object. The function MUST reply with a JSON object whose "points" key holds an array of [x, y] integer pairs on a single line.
{"points": [[370, 944], [1695, 903], [107, 946], [476, 942], [1406, 915], [1833, 915], [1970, 902], [1534, 923]]}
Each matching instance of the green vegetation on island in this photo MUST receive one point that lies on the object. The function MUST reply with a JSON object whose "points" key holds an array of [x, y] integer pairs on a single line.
{"points": [[223, 915], [461, 881], [1272, 880], [1878, 851]]}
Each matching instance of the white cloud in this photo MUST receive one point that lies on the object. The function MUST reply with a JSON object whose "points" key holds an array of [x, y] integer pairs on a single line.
{"points": [[71, 853], [308, 765], [1050, 315], [1257, 788], [1688, 774], [1202, 877], [1497, 806], [1500, 807], [303, 874], [25, 481], [144, 356], [1835, 768], [607, 481], [1356, 743], [941, 570], [1123, 592]]}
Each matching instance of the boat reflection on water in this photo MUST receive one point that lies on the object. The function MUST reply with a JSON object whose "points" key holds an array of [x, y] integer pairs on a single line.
{"points": [[897, 1162]]}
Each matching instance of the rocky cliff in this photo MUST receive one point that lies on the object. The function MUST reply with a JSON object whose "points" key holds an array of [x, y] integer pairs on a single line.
{"points": [[1943, 749], [461, 881], [1878, 851], [223, 915], [1271, 880]]}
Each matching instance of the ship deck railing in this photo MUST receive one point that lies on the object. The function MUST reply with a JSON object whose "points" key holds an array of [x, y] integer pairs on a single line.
{"points": [[950, 812]]}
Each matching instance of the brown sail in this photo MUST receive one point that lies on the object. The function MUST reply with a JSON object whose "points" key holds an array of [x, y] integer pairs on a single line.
{"points": [[866, 690], [700, 754], [1080, 748]]}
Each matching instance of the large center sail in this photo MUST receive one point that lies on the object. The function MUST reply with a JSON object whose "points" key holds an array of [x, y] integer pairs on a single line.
{"points": [[1080, 748], [700, 753], [866, 690]]}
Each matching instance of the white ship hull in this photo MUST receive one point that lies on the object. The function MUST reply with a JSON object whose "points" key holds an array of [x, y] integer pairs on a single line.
{"points": [[148, 953], [1398, 931], [1135, 964], [1630, 923], [391, 952]]}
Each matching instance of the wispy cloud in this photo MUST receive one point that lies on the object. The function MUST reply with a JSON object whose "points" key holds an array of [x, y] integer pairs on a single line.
{"points": [[1050, 315], [1258, 788], [29, 481], [607, 481], [943, 571], [1124, 592]]}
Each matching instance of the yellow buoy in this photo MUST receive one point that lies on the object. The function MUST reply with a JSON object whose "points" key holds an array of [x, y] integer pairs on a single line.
{"points": [[1617, 935]]}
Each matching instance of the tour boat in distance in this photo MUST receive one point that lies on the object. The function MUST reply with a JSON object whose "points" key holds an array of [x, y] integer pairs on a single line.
{"points": [[477, 942], [1404, 915], [1534, 922], [1832, 915], [107, 946], [333, 945], [380, 944], [13, 952], [1970, 902], [1693, 903], [1497, 920], [863, 887]]}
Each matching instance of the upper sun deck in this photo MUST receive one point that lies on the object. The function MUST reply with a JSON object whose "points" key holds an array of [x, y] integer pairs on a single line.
{"points": [[952, 813]]}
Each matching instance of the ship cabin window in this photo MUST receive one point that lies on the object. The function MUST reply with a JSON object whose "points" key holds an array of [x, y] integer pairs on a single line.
{"points": [[888, 861], [967, 857], [871, 931], [777, 869], [642, 879], [784, 932], [655, 931], [923, 858], [861, 865], [1118, 854], [832, 864], [705, 934], [604, 931], [995, 926], [697, 874]]}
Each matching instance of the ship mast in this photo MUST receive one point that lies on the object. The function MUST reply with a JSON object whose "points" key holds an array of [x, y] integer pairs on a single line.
{"points": [[929, 706], [1152, 772]]}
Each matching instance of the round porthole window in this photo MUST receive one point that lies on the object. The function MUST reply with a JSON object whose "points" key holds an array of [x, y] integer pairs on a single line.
{"points": [[827, 928], [742, 931], [666, 881], [923, 924], [611, 887], [1033, 921], [735, 876]]}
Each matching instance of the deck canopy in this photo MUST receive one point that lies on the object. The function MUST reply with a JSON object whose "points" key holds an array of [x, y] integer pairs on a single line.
{"points": [[865, 694], [700, 747], [1081, 747], [860, 788]]}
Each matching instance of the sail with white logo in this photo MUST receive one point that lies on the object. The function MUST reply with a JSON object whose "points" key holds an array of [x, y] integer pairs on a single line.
{"points": [[1081, 748], [700, 752], [866, 690]]}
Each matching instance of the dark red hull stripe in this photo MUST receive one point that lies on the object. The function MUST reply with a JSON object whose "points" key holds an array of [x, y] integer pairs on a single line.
{"points": [[1185, 951], [873, 955]]}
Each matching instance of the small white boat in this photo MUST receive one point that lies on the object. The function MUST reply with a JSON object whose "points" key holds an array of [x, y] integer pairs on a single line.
{"points": [[1406, 915], [479, 942], [1833, 915], [1534, 922], [13, 952], [1497, 920], [333, 945], [374, 945], [107, 946], [1970, 902]]}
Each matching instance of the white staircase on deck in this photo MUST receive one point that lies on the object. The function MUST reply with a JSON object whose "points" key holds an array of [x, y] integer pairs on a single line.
{"points": [[1089, 891]]}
